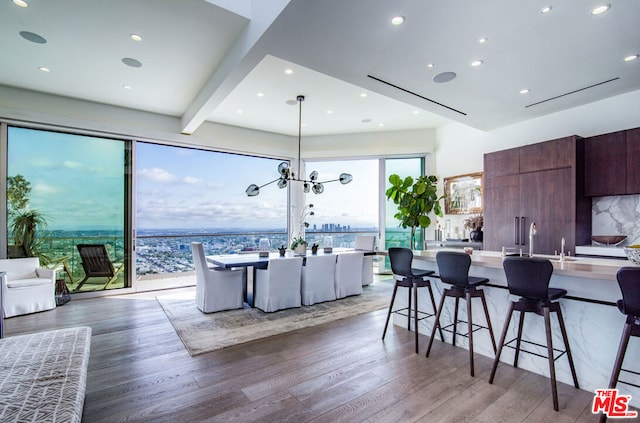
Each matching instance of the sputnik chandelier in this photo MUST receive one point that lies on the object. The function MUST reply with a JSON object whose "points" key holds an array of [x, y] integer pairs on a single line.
{"points": [[287, 175]]}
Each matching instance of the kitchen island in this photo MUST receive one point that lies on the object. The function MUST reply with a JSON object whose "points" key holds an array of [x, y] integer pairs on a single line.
{"points": [[594, 324]]}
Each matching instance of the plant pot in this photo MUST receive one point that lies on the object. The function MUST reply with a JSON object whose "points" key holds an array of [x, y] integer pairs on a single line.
{"points": [[300, 249], [476, 235]]}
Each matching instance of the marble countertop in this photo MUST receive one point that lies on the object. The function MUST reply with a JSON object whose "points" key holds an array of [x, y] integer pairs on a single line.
{"points": [[583, 267]]}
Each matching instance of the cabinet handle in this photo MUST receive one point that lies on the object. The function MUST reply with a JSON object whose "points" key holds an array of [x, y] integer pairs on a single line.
{"points": [[523, 228], [516, 231]]}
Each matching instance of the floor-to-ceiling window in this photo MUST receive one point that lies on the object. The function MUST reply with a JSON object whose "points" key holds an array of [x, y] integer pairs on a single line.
{"points": [[186, 194], [343, 211], [64, 190], [395, 236]]}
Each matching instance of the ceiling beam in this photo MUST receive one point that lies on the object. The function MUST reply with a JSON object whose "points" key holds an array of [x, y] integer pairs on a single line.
{"points": [[241, 58]]}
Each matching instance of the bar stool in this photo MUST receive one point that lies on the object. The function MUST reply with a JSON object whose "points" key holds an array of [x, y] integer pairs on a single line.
{"points": [[629, 305], [401, 260], [454, 271], [529, 279]]}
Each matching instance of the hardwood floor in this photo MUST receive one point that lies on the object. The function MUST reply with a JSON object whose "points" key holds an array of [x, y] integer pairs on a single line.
{"points": [[139, 371]]}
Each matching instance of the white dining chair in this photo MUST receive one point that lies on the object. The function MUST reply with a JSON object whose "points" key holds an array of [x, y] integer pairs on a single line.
{"points": [[217, 289], [349, 274], [278, 286], [366, 243], [318, 276]]}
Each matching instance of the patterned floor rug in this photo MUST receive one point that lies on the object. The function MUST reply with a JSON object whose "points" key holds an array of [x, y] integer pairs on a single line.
{"points": [[203, 333]]}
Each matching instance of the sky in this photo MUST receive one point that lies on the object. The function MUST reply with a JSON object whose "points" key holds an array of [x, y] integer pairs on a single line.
{"points": [[198, 189], [76, 181], [186, 188], [78, 184]]}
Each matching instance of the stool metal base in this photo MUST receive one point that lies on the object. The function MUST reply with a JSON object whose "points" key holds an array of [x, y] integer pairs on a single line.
{"points": [[413, 285], [543, 308], [467, 294]]}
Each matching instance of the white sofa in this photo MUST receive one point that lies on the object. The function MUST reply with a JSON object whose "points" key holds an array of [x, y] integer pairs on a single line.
{"points": [[26, 288]]}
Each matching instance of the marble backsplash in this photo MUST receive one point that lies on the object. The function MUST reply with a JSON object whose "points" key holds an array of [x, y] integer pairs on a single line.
{"points": [[617, 215]]}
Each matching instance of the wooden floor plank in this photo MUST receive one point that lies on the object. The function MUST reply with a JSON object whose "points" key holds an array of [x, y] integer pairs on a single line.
{"points": [[139, 371]]}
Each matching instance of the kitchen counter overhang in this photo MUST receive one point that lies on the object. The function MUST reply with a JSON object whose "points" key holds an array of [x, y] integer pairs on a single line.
{"points": [[585, 278]]}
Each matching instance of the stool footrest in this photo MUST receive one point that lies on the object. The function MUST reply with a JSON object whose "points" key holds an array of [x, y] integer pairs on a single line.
{"points": [[463, 324], [629, 383], [401, 312], [562, 352]]}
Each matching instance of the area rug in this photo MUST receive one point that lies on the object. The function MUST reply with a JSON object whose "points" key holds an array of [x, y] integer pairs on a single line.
{"points": [[201, 333]]}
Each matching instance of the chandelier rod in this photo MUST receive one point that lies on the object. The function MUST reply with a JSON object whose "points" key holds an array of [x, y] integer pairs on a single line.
{"points": [[300, 99]]}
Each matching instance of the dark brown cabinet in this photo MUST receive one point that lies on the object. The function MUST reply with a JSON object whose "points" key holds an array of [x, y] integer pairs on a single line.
{"points": [[611, 164], [541, 187], [633, 161], [605, 162]]}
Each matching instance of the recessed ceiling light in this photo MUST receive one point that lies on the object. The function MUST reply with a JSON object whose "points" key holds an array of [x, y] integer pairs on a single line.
{"points": [[260, 94], [397, 20], [136, 37], [44, 69], [288, 71], [600, 9], [525, 91], [483, 40], [430, 65], [240, 111], [129, 61], [546, 9], [415, 112], [329, 112], [127, 87], [363, 95], [20, 3], [476, 63], [631, 58], [381, 124]]}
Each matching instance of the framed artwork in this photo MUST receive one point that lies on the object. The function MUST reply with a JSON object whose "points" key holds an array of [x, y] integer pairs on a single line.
{"points": [[463, 194]]}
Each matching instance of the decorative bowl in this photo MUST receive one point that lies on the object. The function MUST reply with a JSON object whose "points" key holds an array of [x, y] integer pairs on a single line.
{"points": [[608, 239], [633, 253]]}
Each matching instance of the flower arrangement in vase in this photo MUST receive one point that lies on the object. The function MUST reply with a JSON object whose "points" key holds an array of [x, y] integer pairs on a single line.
{"points": [[299, 245], [474, 224]]}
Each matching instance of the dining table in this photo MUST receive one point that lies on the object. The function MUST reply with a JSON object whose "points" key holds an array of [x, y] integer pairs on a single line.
{"points": [[249, 262]]}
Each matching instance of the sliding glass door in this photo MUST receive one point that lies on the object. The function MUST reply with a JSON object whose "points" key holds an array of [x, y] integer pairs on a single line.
{"points": [[66, 190], [186, 195]]}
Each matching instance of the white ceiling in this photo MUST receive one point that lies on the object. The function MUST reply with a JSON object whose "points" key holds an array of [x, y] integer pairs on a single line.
{"points": [[207, 60]]}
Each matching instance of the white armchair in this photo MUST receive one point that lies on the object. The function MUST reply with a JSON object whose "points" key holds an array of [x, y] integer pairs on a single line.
{"points": [[26, 287], [216, 289], [366, 243], [349, 274], [278, 286], [318, 276]]}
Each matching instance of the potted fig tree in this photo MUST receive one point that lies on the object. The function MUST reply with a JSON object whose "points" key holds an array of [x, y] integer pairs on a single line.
{"points": [[416, 200]]}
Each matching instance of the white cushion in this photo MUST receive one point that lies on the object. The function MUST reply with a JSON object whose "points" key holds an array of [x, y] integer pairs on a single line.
{"points": [[23, 283], [13, 276]]}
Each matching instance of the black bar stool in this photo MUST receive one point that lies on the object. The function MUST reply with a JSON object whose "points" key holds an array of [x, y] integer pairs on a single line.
{"points": [[629, 305], [401, 260], [529, 279], [454, 271]]}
